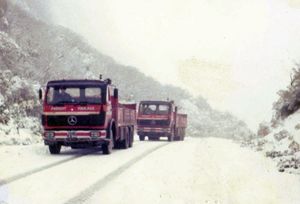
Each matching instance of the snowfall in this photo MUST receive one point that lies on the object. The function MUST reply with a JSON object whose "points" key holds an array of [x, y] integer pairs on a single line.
{"points": [[197, 170]]}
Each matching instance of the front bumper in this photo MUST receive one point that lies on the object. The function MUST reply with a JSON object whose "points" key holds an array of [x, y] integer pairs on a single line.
{"points": [[149, 131], [77, 136]]}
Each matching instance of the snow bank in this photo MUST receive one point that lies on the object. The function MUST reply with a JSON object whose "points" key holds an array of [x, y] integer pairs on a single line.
{"points": [[282, 144], [19, 108], [11, 134]]}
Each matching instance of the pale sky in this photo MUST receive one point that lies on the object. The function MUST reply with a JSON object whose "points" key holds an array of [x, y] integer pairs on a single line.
{"points": [[235, 53]]}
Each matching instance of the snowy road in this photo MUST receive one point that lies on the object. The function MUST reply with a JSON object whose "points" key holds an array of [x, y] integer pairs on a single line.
{"points": [[207, 170]]}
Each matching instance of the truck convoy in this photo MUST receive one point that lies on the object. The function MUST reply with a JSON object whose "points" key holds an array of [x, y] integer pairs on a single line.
{"points": [[86, 113], [160, 119]]}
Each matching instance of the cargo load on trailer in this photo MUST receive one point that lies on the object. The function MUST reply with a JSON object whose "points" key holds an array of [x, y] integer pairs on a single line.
{"points": [[160, 119], [86, 113]]}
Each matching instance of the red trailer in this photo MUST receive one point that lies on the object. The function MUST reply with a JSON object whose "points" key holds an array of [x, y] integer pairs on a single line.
{"points": [[86, 113], [160, 119]]}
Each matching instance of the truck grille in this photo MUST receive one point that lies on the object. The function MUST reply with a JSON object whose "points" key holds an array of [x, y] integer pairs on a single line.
{"points": [[153, 122], [82, 120]]}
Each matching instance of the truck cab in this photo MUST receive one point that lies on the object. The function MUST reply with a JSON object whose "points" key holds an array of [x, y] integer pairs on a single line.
{"points": [[85, 113], [160, 119]]}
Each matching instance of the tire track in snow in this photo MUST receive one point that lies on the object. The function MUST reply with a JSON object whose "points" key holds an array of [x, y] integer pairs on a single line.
{"points": [[42, 168], [88, 192]]}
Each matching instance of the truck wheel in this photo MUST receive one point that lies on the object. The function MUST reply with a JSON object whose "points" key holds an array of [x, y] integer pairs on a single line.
{"points": [[55, 148], [107, 148], [125, 142], [131, 138], [183, 134], [170, 138], [176, 134], [142, 137], [110, 135]]}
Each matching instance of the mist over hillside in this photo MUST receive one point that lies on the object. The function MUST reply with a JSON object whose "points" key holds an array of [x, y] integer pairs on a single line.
{"points": [[33, 50]]}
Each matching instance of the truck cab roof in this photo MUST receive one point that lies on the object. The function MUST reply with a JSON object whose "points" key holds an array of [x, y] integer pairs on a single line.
{"points": [[71, 82], [156, 102]]}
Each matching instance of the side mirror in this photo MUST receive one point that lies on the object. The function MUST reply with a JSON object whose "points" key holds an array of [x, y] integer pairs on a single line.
{"points": [[116, 93], [40, 94]]}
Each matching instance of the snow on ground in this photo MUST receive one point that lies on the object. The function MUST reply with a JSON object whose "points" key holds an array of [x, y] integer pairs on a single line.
{"points": [[206, 170], [197, 170], [11, 135], [16, 159], [61, 182], [282, 144]]}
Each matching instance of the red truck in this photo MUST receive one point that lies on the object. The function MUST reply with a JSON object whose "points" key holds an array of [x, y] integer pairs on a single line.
{"points": [[160, 119], [86, 113]]}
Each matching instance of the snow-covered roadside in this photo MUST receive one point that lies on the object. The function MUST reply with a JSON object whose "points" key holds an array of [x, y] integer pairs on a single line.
{"points": [[19, 110], [10, 134], [281, 144]]}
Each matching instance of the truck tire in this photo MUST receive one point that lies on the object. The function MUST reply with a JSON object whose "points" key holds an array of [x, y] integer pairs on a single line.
{"points": [[177, 137], [125, 142], [177, 134], [183, 134], [131, 137], [55, 148], [111, 136], [107, 148], [142, 137], [172, 135]]}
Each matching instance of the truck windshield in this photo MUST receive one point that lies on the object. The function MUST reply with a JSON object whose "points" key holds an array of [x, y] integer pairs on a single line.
{"points": [[57, 95], [154, 109]]}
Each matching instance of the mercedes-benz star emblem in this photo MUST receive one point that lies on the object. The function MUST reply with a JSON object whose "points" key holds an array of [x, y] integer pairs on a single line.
{"points": [[72, 120]]}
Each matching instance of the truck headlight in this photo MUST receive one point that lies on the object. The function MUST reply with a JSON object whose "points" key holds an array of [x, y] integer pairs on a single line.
{"points": [[49, 134]]}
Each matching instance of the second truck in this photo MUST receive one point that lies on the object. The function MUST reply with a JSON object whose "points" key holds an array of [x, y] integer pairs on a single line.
{"points": [[160, 119]]}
